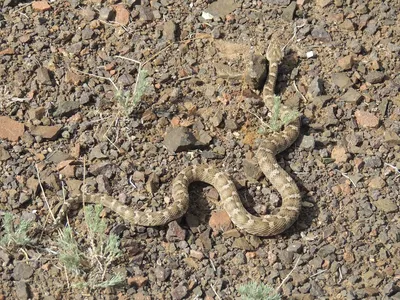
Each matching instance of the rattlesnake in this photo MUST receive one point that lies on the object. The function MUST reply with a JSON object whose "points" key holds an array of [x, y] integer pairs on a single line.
{"points": [[267, 225]]}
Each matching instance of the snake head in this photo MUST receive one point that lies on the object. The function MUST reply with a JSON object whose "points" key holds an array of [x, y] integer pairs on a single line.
{"points": [[274, 52]]}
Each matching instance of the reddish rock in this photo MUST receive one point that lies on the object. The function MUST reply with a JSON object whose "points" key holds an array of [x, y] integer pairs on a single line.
{"points": [[366, 119], [339, 154], [73, 78], [346, 63], [137, 281], [40, 5], [67, 168], [220, 221], [348, 257], [10, 130], [121, 14], [7, 51]]}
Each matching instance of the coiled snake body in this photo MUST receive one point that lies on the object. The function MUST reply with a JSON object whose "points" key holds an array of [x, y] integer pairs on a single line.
{"points": [[267, 225]]}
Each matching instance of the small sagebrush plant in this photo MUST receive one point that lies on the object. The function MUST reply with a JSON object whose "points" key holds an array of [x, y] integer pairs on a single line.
{"points": [[94, 259], [129, 101], [258, 291], [277, 119], [14, 235]]}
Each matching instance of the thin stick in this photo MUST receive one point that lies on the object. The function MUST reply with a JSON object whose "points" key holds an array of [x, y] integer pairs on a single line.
{"points": [[212, 264], [319, 272], [97, 76], [295, 27], [344, 175], [66, 276], [340, 275], [287, 276], [297, 90], [43, 193], [215, 292], [393, 167]]}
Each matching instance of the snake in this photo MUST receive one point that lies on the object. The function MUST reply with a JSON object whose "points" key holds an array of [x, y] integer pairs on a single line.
{"points": [[270, 146]]}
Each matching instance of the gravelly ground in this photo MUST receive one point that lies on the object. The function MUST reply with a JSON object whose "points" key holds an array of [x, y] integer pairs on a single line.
{"points": [[341, 70]]}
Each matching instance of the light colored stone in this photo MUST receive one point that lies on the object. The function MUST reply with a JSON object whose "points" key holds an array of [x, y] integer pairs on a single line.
{"points": [[40, 5], [366, 119], [339, 154]]}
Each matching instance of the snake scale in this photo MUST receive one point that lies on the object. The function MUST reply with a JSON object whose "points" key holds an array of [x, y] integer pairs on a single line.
{"points": [[267, 225]]}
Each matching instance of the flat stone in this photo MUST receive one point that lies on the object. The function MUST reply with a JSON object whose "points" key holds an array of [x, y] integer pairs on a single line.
{"points": [[180, 139], [252, 169], [278, 2], [36, 113], [386, 205], [221, 8], [22, 271], [307, 142], [220, 221], [242, 243], [10, 130], [87, 33], [145, 13], [162, 274], [66, 108], [366, 119], [4, 155], [326, 250], [22, 290], [46, 132], [346, 62], [391, 137], [170, 31], [121, 14], [88, 14], [339, 154], [351, 96], [323, 3], [221, 249], [58, 156], [341, 80], [377, 183], [179, 292], [137, 281], [239, 259], [288, 12], [105, 13], [203, 137], [375, 77], [43, 76], [347, 25], [296, 247], [40, 5], [373, 162], [321, 34]]}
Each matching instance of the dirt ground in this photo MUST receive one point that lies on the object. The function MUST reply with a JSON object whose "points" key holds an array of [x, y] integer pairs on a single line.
{"points": [[122, 95]]}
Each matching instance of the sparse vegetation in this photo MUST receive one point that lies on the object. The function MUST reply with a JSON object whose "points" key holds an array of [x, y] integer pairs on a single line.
{"points": [[91, 260], [278, 119], [14, 235], [258, 291], [129, 101]]}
